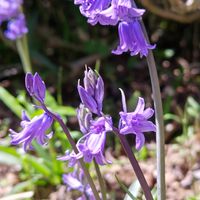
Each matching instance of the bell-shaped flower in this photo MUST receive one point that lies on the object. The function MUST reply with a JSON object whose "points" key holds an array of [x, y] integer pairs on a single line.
{"points": [[120, 10], [77, 181], [34, 129], [35, 86], [9, 9], [91, 145], [16, 28], [89, 8], [136, 122], [132, 39], [93, 91]]}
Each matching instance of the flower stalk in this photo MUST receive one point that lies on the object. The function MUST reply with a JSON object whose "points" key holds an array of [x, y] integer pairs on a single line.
{"points": [[82, 164], [22, 48], [101, 180], [135, 165], [160, 136]]}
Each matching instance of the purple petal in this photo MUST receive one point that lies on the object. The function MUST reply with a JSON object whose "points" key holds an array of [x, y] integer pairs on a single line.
{"points": [[140, 140], [99, 93], [29, 83], [87, 100], [123, 100], [39, 88], [148, 113], [72, 182], [140, 106]]}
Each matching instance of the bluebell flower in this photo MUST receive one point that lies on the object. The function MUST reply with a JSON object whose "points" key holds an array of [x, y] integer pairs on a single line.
{"points": [[9, 9], [89, 8], [16, 28], [119, 10], [71, 157], [35, 87], [136, 122], [91, 145], [93, 91], [77, 181], [132, 39], [34, 129]]}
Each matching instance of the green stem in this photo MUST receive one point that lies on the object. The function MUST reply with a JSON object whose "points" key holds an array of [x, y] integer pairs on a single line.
{"points": [[101, 181], [22, 48], [82, 164], [160, 136]]}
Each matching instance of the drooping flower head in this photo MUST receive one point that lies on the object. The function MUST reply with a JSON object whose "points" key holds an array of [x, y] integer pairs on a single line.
{"points": [[93, 91], [77, 181], [9, 9], [34, 129], [16, 28], [119, 10], [136, 122], [127, 16], [132, 39], [89, 8], [35, 86], [92, 144]]}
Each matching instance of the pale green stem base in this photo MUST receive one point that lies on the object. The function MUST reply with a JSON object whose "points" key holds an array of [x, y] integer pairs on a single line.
{"points": [[22, 48], [160, 136], [101, 181]]}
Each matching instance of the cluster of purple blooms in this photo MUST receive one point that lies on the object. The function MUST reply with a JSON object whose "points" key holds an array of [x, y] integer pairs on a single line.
{"points": [[11, 12], [123, 14], [76, 181], [94, 125]]}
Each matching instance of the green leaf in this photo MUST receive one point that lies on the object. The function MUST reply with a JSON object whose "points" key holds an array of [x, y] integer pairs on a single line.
{"points": [[169, 116], [8, 159], [38, 165], [125, 189], [9, 150], [134, 189], [10, 101]]}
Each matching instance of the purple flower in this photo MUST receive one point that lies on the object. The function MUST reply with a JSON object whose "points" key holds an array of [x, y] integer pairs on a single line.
{"points": [[16, 28], [76, 181], [32, 130], [136, 122], [93, 91], [9, 9], [132, 39], [35, 86], [92, 144], [120, 10], [84, 118], [89, 8], [72, 157]]}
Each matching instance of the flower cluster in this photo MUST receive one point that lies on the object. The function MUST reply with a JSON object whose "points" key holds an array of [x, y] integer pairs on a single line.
{"points": [[76, 181], [10, 11], [36, 128], [91, 145], [94, 126], [121, 12]]}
